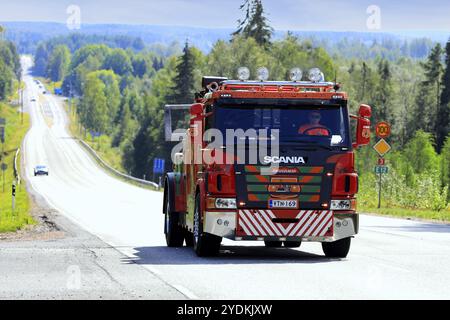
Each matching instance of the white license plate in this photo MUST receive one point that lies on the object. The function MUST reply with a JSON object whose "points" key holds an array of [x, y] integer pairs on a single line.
{"points": [[283, 203]]}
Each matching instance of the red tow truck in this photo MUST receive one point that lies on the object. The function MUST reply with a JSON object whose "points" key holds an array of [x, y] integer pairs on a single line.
{"points": [[270, 161]]}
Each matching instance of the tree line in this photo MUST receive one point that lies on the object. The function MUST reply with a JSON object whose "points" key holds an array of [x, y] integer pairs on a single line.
{"points": [[10, 69], [122, 93]]}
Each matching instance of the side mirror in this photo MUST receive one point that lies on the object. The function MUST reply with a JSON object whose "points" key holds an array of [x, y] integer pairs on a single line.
{"points": [[363, 126], [365, 111], [196, 109]]}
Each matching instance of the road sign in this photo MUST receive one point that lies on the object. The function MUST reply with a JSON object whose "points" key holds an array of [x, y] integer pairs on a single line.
{"points": [[382, 147], [383, 130], [13, 191], [158, 165], [381, 161], [381, 169], [4, 166]]}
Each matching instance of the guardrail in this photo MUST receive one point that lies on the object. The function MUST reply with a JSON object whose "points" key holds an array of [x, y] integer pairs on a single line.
{"points": [[16, 171], [116, 173]]}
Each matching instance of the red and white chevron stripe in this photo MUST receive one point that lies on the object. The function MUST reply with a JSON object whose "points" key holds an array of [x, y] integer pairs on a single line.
{"points": [[312, 223]]}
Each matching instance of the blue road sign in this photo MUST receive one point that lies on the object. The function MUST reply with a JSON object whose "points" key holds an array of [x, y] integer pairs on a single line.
{"points": [[158, 165], [95, 134]]}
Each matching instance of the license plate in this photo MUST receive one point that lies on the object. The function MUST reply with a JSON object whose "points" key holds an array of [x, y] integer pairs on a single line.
{"points": [[283, 203]]}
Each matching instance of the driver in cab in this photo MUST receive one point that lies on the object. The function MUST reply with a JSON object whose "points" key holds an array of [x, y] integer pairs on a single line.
{"points": [[313, 127]]}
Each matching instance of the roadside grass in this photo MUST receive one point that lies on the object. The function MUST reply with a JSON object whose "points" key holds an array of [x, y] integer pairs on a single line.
{"points": [[407, 213], [14, 133]]}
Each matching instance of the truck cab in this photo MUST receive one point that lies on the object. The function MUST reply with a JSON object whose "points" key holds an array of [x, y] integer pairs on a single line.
{"points": [[269, 161]]}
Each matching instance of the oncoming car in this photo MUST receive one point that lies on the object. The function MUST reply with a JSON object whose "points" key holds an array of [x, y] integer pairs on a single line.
{"points": [[40, 170]]}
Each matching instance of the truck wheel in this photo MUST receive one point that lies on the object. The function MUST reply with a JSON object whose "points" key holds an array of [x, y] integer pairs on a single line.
{"points": [[273, 244], [189, 238], [336, 249], [174, 233], [205, 244], [292, 244]]}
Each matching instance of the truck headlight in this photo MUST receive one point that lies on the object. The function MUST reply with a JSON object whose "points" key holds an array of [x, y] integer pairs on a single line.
{"points": [[347, 204], [225, 203]]}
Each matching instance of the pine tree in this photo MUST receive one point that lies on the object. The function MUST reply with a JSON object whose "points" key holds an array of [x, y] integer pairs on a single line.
{"points": [[384, 94], [255, 24], [365, 71], [428, 98], [184, 85], [183, 89], [443, 118]]}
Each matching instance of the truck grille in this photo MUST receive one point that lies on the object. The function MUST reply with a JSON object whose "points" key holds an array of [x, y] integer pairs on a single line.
{"points": [[308, 185]]}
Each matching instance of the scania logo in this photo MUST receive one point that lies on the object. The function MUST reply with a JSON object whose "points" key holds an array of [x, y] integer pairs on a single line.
{"points": [[269, 159]]}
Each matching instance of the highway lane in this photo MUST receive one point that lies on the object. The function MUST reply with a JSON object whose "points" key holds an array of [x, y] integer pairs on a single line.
{"points": [[389, 259]]}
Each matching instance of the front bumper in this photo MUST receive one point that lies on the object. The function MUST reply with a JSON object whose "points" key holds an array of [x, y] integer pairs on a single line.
{"points": [[223, 224]]}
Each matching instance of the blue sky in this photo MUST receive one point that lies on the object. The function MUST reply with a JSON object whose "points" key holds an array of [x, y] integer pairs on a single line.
{"points": [[344, 15]]}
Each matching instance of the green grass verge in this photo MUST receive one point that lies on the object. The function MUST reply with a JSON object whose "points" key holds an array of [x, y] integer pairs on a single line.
{"points": [[15, 131], [431, 215]]}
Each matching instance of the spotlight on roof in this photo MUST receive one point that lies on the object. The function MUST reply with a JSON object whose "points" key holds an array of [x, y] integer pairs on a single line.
{"points": [[243, 73]]}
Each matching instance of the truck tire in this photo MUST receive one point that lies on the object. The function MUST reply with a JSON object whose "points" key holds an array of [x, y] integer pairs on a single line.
{"points": [[273, 244], [205, 244], [174, 232], [336, 249], [292, 244], [189, 238]]}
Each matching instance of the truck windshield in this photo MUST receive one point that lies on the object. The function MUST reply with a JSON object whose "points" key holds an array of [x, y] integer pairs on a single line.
{"points": [[327, 126]]}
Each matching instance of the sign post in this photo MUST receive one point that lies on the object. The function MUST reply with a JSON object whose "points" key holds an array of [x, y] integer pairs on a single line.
{"points": [[13, 194], [382, 130], [2, 140], [158, 167], [4, 166]]}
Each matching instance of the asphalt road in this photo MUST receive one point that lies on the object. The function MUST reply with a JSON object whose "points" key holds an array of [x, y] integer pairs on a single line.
{"points": [[389, 259]]}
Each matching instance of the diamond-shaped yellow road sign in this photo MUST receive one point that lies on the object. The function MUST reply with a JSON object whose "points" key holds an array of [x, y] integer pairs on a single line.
{"points": [[382, 147]]}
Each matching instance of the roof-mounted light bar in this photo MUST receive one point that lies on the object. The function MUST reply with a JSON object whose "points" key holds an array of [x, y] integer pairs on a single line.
{"points": [[315, 75]]}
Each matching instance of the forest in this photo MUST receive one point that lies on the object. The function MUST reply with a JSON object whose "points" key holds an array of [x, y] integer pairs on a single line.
{"points": [[9, 66], [120, 86]]}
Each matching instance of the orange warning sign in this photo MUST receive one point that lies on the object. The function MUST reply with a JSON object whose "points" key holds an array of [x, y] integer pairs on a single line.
{"points": [[383, 129]]}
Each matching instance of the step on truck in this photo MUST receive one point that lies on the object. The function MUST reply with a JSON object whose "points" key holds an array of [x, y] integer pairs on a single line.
{"points": [[269, 161]]}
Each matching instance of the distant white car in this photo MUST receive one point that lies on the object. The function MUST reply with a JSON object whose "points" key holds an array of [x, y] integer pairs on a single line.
{"points": [[40, 170]]}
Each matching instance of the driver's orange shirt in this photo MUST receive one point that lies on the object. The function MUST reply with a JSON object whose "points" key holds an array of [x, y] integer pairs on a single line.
{"points": [[318, 130]]}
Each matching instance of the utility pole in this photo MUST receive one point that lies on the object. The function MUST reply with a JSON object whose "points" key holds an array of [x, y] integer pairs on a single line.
{"points": [[379, 192], [21, 102], [3, 165], [70, 97], [2, 138]]}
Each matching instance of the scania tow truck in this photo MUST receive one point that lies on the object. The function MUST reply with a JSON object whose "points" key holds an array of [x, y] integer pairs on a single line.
{"points": [[301, 187]]}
